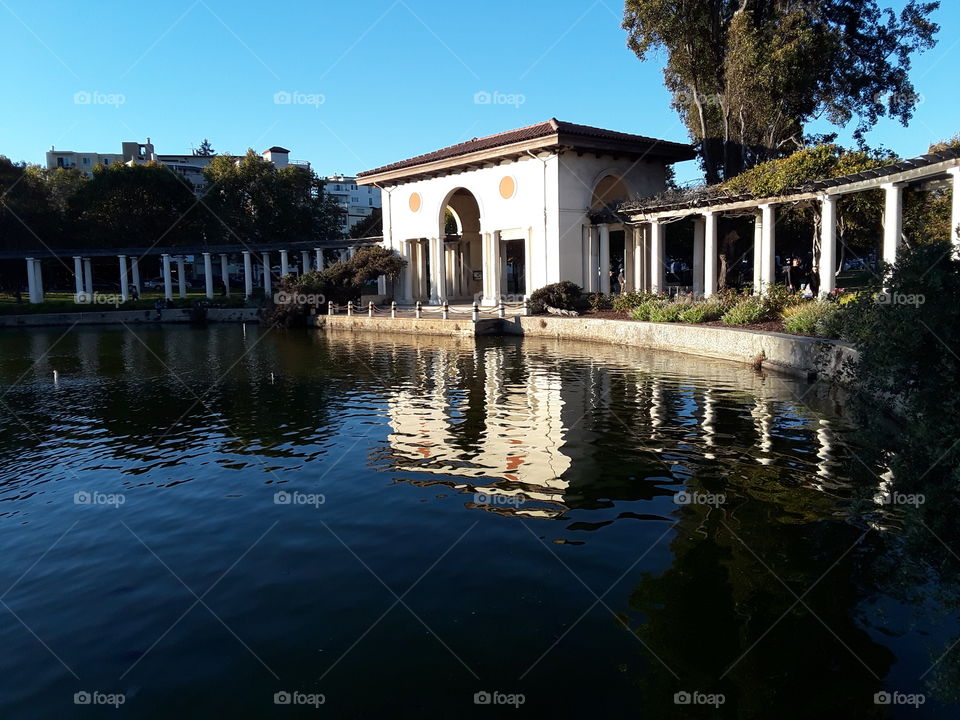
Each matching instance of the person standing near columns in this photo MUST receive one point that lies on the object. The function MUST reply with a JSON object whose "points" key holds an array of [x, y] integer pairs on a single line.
{"points": [[208, 275], [225, 273], [709, 253], [78, 279], [247, 275], [124, 281], [167, 279]]}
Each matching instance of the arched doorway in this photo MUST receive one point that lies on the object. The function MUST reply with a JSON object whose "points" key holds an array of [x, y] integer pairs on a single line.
{"points": [[462, 259]]}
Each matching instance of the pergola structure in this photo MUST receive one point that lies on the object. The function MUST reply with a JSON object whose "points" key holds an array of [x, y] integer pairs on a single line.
{"points": [[311, 257], [647, 219]]}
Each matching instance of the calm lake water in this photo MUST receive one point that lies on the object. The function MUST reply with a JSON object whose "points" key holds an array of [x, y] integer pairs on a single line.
{"points": [[200, 519]]}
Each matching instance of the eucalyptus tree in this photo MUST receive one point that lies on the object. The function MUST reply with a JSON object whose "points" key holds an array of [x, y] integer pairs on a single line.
{"points": [[747, 76]]}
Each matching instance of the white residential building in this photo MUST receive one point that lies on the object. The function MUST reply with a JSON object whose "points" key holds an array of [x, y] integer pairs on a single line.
{"points": [[358, 201], [190, 166]]}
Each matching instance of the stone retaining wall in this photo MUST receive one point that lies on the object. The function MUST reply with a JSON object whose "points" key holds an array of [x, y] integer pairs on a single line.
{"points": [[791, 354]]}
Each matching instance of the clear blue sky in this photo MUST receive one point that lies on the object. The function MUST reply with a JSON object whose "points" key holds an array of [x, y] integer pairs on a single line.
{"points": [[396, 78]]}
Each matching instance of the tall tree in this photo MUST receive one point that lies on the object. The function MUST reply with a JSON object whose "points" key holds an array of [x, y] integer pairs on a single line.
{"points": [[251, 200], [135, 205], [748, 75]]}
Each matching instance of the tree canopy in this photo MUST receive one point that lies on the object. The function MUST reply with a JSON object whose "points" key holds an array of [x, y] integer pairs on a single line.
{"points": [[748, 75]]}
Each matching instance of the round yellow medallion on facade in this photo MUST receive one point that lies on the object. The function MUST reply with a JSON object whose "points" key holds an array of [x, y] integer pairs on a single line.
{"points": [[508, 186], [415, 202]]}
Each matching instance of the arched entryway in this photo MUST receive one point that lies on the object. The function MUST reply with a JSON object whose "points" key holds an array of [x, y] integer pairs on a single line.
{"points": [[462, 261]]}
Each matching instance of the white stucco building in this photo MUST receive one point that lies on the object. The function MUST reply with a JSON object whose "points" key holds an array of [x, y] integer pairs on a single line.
{"points": [[357, 201], [189, 166], [497, 217]]}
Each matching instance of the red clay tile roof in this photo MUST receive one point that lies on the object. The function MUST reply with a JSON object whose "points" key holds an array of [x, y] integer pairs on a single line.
{"points": [[568, 134]]}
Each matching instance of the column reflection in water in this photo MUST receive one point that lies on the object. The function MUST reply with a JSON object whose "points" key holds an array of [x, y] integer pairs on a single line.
{"points": [[763, 421], [825, 455], [514, 465], [709, 429]]}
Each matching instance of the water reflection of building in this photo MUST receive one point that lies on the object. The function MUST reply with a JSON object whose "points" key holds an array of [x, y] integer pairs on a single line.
{"points": [[515, 459], [520, 420]]}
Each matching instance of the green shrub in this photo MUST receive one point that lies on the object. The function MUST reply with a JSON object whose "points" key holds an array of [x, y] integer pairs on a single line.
{"points": [[667, 311], [642, 311], [701, 312], [810, 318], [747, 311], [628, 301], [563, 295], [776, 299]]}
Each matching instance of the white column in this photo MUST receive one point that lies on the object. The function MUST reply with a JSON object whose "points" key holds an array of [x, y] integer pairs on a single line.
{"points": [[319, 258], [955, 214], [88, 277], [828, 244], [757, 253], [124, 281], [410, 255], [629, 240], [657, 283], [639, 278], [167, 280], [182, 276], [438, 289], [604, 258], [351, 251], [456, 267], [699, 241], [499, 269], [31, 281], [487, 268], [284, 263], [304, 261], [247, 274], [892, 220], [709, 253], [225, 273], [208, 274], [135, 273], [768, 245], [267, 280], [38, 270], [593, 260], [78, 278]]}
